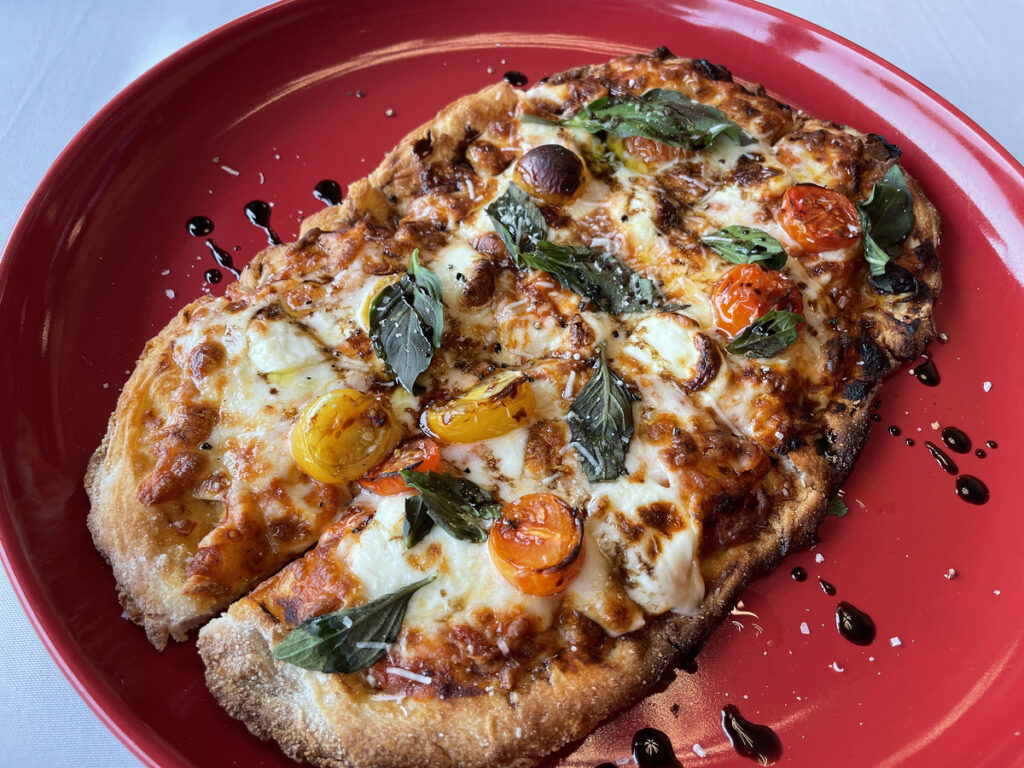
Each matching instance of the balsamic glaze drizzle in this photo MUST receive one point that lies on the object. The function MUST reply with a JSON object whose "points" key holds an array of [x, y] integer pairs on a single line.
{"points": [[956, 440], [855, 625], [199, 226], [827, 587], [942, 458], [927, 373], [518, 79], [258, 213], [652, 749], [971, 489], [758, 742], [222, 257], [328, 192], [798, 574]]}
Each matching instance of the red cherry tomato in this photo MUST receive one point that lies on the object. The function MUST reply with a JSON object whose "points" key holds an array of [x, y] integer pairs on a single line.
{"points": [[420, 455], [747, 291], [537, 544], [818, 218]]}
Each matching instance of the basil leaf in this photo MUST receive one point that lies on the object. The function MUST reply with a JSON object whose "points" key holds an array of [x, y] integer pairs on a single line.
{"points": [[417, 523], [836, 507], [662, 115], [767, 336], [875, 256], [746, 245], [896, 280], [454, 503], [886, 220], [596, 275], [518, 221], [890, 210], [406, 323], [601, 423], [352, 639]]}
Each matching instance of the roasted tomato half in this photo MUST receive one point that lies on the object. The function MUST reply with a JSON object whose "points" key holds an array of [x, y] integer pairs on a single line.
{"points": [[497, 405], [746, 292], [819, 219], [537, 544], [420, 455], [341, 434]]}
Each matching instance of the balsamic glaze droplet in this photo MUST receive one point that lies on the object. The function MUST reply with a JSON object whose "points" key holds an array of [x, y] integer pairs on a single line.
{"points": [[992, 444], [652, 749], [980, 453], [758, 742], [222, 257], [971, 489], [909, 441], [423, 147], [518, 79], [875, 417], [328, 192], [199, 226], [927, 373], [798, 574], [941, 457], [827, 587], [855, 625], [956, 440], [258, 213], [894, 431], [213, 276]]}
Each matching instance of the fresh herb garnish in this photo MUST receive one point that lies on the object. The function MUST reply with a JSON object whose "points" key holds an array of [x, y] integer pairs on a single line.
{"points": [[767, 336], [417, 523], [836, 507], [406, 323], [351, 639], [596, 275], [886, 220], [746, 245], [519, 222], [661, 115], [601, 423], [456, 504]]}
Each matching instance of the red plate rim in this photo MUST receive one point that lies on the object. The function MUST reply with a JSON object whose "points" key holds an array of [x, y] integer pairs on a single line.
{"points": [[142, 742]]}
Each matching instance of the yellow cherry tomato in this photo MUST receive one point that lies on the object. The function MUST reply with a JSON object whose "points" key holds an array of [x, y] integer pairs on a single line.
{"points": [[644, 155], [495, 406], [341, 435]]}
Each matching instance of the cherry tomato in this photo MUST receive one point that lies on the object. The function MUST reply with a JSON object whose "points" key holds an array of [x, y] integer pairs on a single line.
{"points": [[537, 544], [747, 291], [495, 406], [819, 219], [341, 434], [420, 455]]}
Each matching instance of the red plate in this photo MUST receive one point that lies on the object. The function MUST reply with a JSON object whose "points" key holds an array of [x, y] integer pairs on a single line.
{"points": [[270, 105]]}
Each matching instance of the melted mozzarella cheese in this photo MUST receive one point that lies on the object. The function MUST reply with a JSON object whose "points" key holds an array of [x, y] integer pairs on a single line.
{"points": [[659, 562]]}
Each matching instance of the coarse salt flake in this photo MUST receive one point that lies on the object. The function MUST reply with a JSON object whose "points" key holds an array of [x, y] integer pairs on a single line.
{"points": [[836, 667], [804, 629], [169, 293], [895, 642], [699, 751], [987, 386], [819, 558], [229, 169]]}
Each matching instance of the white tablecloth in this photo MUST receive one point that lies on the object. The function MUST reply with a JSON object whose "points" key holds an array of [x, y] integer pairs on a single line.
{"points": [[62, 60]]}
